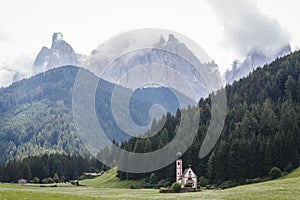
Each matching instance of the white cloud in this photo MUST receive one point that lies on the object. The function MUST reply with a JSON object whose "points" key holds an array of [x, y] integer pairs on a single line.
{"points": [[247, 28], [6, 77]]}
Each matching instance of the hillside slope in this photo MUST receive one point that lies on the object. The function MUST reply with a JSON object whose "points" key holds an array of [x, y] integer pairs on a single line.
{"points": [[109, 180], [36, 113]]}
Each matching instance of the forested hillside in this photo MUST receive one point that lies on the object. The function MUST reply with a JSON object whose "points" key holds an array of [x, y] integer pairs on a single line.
{"points": [[261, 129], [36, 114]]}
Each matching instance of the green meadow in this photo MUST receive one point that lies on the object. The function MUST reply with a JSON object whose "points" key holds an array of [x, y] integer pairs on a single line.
{"points": [[283, 188]]}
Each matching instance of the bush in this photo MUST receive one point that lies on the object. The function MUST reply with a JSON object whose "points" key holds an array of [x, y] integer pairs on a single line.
{"points": [[50, 180], [47, 180], [228, 184], [164, 183], [176, 187], [203, 181], [288, 168], [163, 190], [56, 178], [73, 182], [145, 184], [275, 172], [36, 180], [153, 179], [136, 186], [44, 181], [255, 180], [62, 179]]}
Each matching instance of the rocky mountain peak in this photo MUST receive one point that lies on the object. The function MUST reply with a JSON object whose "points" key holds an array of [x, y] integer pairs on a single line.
{"points": [[57, 37], [60, 54]]}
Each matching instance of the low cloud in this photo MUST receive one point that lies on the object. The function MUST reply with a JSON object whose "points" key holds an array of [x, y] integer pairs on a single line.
{"points": [[14, 65], [15, 70], [246, 28], [6, 77]]}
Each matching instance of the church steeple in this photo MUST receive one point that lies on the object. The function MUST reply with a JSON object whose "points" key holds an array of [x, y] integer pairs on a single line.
{"points": [[178, 170]]}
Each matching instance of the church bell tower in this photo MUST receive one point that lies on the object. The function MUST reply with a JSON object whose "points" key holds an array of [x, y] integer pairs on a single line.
{"points": [[178, 170]]}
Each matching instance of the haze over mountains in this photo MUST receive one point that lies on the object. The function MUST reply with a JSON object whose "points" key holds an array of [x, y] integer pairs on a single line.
{"points": [[61, 53], [164, 53], [253, 60]]}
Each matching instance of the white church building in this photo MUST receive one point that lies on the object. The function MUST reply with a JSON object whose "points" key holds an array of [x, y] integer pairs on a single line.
{"points": [[187, 177]]}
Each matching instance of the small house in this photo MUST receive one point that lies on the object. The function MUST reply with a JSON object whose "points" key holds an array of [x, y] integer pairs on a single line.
{"points": [[22, 181]]}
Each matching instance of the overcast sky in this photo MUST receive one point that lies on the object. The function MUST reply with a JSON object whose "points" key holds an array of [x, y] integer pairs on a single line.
{"points": [[225, 29]]}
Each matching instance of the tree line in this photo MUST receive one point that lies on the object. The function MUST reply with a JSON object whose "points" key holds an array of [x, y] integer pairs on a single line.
{"points": [[49, 168]]}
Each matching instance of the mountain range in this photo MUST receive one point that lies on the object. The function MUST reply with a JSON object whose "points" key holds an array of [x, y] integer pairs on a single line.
{"points": [[61, 53], [180, 60]]}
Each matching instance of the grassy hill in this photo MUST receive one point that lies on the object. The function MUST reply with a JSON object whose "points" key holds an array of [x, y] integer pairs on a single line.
{"points": [[109, 180]]}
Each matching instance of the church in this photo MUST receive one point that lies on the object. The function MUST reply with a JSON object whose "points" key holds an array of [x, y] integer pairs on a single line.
{"points": [[188, 177]]}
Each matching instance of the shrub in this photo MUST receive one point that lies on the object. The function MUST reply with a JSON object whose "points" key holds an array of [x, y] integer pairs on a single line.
{"points": [[62, 179], [56, 178], [153, 179], [256, 180], [44, 181], [203, 181], [228, 184], [36, 180], [49, 180], [145, 184], [137, 186], [176, 187], [164, 183], [275, 172], [163, 190]]}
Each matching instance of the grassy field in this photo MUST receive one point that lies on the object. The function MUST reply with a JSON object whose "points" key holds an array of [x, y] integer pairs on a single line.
{"points": [[286, 188], [109, 180]]}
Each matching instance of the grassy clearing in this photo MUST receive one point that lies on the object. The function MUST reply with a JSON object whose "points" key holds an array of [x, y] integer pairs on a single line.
{"points": [[109, 187], [109, 180], [288, 188]]}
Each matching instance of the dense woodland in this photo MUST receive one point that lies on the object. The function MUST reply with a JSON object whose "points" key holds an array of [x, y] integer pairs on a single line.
{"points": [[261, 129], [49, 168]]}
